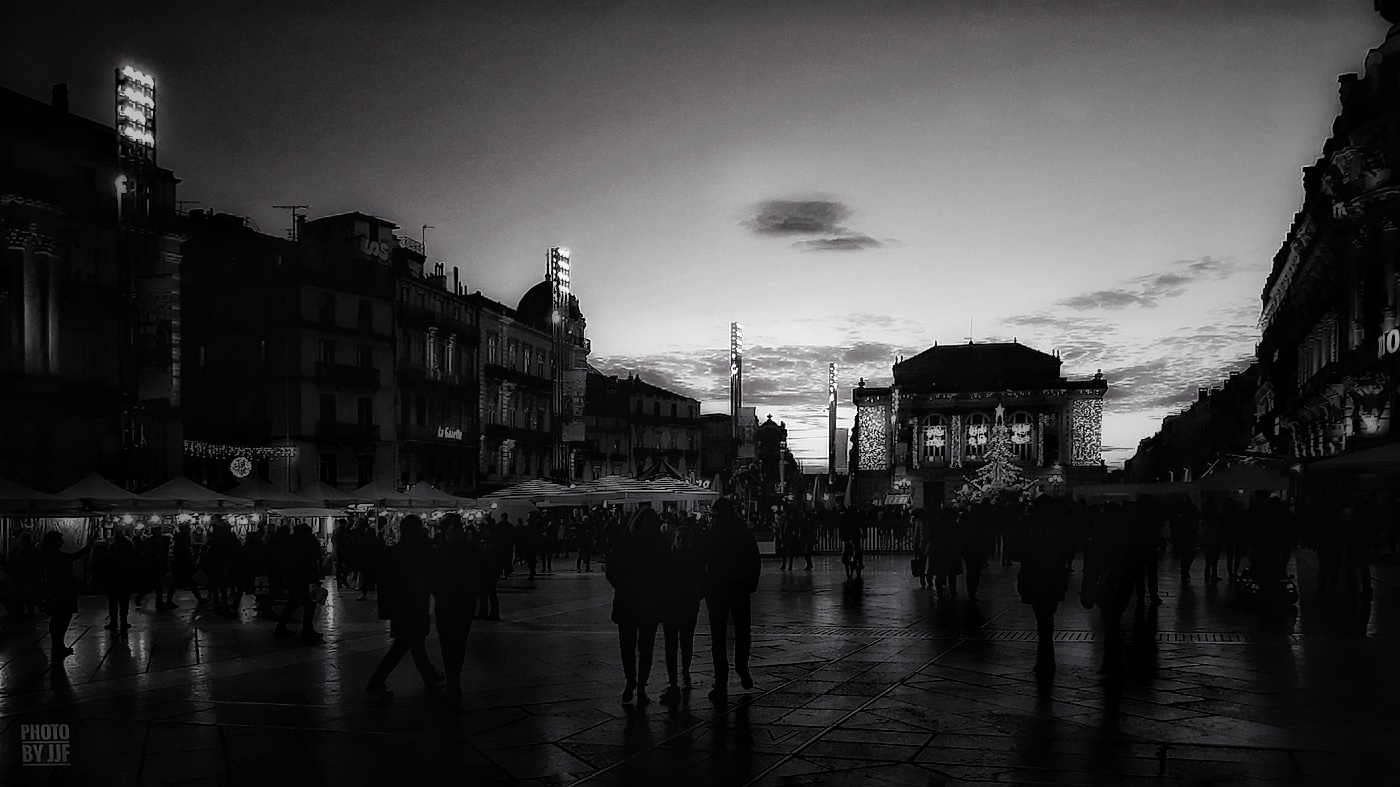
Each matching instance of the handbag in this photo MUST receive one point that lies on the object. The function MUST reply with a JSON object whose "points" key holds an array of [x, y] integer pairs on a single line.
{"points": [[319, 595], [200, 578], [916, 566]]}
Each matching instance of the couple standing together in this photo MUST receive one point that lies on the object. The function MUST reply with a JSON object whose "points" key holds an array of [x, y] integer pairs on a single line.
{"points": [[658, 581]]}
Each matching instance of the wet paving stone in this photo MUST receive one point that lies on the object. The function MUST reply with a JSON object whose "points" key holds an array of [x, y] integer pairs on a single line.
{"points": [[878, 684]]}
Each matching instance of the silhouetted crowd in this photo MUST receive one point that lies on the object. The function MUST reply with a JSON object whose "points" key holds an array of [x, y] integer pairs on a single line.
{"points": [[663, 565]]}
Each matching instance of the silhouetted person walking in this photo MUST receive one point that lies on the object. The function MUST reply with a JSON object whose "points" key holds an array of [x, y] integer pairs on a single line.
{"points": [[636, 569], [979, 542], [684, 578], [458, 571], [115, 571], [732, 566], [1045, 551], [1110, 569], [301, 568], [1147, 534], [404, 594], [60, 589]]}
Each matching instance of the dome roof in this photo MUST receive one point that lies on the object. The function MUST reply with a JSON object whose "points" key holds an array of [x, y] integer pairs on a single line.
{"points": [[536, 305]]}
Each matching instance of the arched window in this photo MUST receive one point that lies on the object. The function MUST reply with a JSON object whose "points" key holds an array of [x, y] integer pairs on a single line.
{"points": [[935, 440], [979, 431], [1022, 434]]}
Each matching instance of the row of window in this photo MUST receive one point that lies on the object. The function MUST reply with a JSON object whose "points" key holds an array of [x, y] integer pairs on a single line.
{"points": [[517, 355], [331, 470], [935, 432], [423, 410], [506, 461], [364, 410], [1319, 348], [364, 353], [691, 410], [516, 409], [364, 318]]}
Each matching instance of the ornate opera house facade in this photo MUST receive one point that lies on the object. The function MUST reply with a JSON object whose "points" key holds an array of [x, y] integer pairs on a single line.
{"points": [[917, 441]]}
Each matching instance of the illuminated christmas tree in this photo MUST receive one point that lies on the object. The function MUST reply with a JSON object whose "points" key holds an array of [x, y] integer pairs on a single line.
{"points": [[999, 476]]}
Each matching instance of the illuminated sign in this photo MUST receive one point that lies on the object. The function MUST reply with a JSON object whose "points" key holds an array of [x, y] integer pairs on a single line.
{"points": [[1389, 342], [136, 107], [449, 434], [241, 466]]}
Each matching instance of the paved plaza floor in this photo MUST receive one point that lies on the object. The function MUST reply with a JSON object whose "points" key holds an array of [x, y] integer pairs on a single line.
{"points": [[871, 683]]}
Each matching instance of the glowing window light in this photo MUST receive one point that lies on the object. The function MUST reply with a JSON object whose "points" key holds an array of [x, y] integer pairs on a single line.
{"points": [[133, 74], [137, 97], [134, 114]]}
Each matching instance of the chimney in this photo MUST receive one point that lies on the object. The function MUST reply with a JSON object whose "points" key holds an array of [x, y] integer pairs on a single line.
{"points": [[456, 287], [1201, 394], [60, 97]]}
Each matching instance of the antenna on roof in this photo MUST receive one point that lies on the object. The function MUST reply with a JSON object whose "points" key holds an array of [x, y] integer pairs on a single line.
{"points": [[292, 233], [969, 330]]}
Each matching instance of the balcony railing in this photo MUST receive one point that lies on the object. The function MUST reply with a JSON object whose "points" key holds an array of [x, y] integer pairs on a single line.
{"points": [[346, 434], [346, 375]]}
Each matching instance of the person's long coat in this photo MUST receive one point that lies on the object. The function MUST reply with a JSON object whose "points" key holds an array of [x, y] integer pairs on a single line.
{"points": [[405, 590], [458, 570], [636, 569]]}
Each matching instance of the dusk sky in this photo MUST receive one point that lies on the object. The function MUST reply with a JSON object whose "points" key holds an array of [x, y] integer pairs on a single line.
{"points": [[850, 180]]}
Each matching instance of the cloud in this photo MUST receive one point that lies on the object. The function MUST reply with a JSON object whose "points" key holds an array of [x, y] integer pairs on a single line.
{"points": [[824, 217], [1148, 291], [1107, 299], [798, 217], [841, 243]]}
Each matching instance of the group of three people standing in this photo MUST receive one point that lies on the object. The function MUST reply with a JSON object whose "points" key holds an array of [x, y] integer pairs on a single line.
{"points": [[658, 581]]}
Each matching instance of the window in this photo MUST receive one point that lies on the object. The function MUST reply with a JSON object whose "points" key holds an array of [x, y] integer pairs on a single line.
{"points": [[420, 410], [327, 351], [1022, 434], [513, 359], [529, 358], [934, 439], [540, 362], [492, 349], [262, 350], [978, 433], [403, 410], [366, 316], [364, 411], [327, 408], [639, 407], [328, 308], [673, 409], [364, 356], [364, 469], [329, 471], [656, 408]]}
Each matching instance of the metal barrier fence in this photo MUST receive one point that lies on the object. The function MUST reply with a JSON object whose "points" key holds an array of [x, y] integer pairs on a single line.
{"points": [[876, 539]]}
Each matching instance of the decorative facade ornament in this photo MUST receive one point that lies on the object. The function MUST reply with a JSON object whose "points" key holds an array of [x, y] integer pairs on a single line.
{"points": [[1086, 424], [955, 449], [872, 430]]}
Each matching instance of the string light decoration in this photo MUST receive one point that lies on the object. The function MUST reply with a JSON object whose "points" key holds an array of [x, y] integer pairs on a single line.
{"points": [[1000, 476], [1087, 424], [955, 436], [873, 447], [202, 450]]}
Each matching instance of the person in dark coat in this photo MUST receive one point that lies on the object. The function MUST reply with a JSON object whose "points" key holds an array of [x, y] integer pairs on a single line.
{"points": [[404, 596], [979, 542], [1110, 569], [636, 570], [1147, 540], [369, 552], [1186, 526], [458, 569], [945, 551], [60, 589], [115, 572], [495, 549], [182, 563], [924, 524], [732, 567], [341, 543], [684, 588], [851, 531], [1045, 550], [1212, 527], [300, 559]]}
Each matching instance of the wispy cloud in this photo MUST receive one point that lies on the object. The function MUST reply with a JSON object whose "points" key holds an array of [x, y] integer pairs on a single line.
{"points": [[839, 243], [1150, 290]]}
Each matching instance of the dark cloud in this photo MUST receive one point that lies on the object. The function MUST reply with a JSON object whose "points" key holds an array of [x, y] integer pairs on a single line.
{"points": [[798, 217], [839, 243], [823, 217]]}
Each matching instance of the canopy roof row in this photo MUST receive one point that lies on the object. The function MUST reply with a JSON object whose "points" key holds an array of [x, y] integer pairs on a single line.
{"points": [[96, 494], [608, 489]]}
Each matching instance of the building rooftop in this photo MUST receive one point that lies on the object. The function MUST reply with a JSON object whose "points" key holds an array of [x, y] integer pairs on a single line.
{"points": [[990, 365]]}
